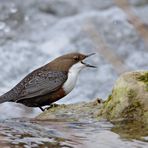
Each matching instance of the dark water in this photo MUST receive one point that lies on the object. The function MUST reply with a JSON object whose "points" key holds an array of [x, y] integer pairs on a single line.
{"points": [[62, 134]]}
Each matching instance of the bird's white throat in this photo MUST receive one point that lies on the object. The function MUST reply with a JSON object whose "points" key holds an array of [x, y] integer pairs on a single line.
{"points": [[72, 77]]}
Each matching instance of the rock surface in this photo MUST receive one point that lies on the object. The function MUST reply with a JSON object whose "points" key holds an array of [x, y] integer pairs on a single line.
{"points": [[129, 98], [75, 112]]}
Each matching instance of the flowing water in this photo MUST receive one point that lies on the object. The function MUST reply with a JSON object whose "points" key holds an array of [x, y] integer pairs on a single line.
{"points": [[58, 133]]}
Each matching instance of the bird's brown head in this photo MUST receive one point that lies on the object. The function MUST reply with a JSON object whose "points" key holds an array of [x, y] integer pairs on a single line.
{"points": [[65, 62]]}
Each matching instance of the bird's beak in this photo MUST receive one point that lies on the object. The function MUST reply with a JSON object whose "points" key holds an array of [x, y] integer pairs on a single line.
{"points": [[88, 65], [89, 55]]}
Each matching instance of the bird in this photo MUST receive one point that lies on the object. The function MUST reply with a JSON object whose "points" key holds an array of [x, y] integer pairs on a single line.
{"points": [[48, 83]]}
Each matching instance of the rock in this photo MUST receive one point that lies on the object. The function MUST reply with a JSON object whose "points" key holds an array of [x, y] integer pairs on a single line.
{"points": [[75, 112], [129, 98]]}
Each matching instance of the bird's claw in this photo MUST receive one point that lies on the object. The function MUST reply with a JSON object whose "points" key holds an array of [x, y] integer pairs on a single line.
{"points": [[51, 106]]}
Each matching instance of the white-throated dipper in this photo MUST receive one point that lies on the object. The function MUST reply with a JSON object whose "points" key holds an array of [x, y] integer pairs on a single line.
{"points": [[48, 83]]}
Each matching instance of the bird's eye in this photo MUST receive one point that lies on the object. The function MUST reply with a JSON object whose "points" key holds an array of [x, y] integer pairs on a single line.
{"points": [[76, 58]]}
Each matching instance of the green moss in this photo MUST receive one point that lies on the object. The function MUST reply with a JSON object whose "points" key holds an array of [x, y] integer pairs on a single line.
{"points": [[127, 100], [133, 111], [144, 78], [111, 105], [107, 101], [119, 93], [131, 94], [130, 129], [145, 117], [109, 98], [135, 108], [112, 101]]}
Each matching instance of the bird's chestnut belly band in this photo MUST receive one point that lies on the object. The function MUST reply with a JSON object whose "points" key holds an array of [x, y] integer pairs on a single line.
{"points": [[43, 100]]}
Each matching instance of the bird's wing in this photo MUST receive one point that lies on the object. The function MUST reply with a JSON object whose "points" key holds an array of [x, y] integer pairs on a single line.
{"points": [[42, 83]]}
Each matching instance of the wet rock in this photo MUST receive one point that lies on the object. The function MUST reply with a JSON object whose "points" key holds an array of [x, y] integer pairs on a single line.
{"points": [[132, 129], [72, 112], [129, 98]]}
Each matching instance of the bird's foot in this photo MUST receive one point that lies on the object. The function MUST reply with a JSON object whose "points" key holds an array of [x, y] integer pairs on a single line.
{"points": [[42, 109], [47, 108], [51, 106]]}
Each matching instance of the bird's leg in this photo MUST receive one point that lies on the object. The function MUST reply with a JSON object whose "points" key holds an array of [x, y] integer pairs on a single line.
{"points": [[47, 108], [51, 106], [42, 109]]}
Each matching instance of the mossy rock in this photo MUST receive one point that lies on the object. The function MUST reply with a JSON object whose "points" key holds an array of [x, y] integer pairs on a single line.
{"points": [[129, 98], [72, 112]]}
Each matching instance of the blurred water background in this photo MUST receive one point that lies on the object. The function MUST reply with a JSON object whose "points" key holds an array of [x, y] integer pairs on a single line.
{"points": [[33, 32]]}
